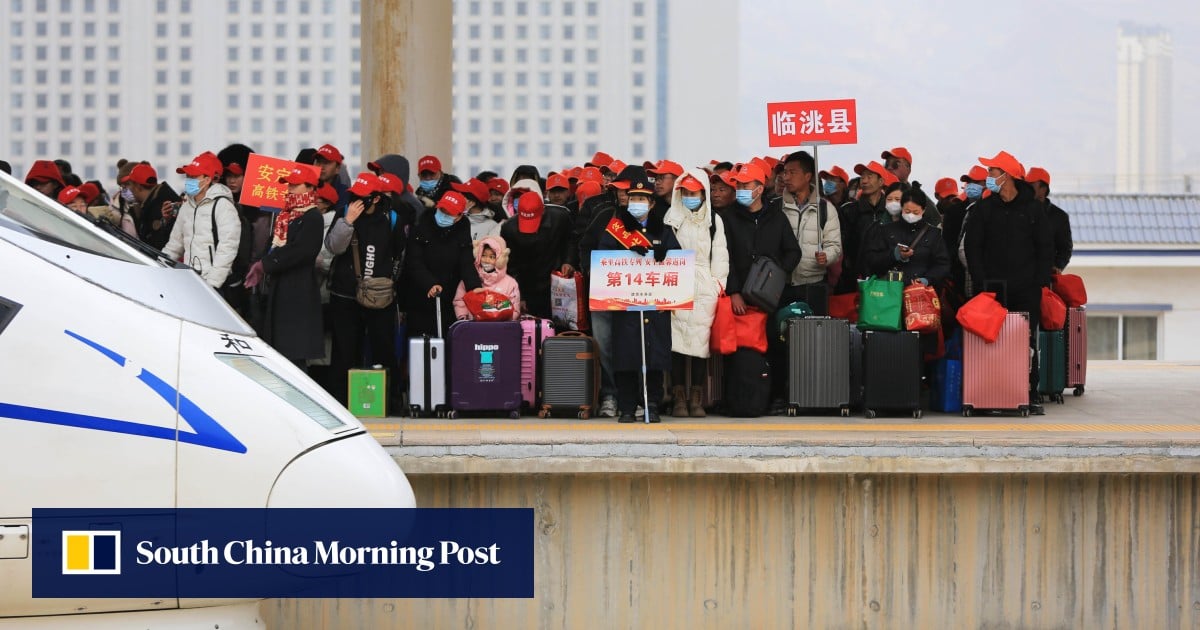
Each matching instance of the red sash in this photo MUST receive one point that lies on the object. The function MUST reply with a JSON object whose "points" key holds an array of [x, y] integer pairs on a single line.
{"points": [[627, 239]]}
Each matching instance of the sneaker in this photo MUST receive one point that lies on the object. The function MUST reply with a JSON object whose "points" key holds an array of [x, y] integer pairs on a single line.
{"points": [[608, 407], [625, 418], [640, 412], [1037, 410]]}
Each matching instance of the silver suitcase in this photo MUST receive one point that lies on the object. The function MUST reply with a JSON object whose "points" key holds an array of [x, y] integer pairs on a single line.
{"points": [[818, 363], [427, 373]]}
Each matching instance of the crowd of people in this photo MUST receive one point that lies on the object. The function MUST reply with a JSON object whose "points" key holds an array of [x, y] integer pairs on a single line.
{"points": [[344, 260]]}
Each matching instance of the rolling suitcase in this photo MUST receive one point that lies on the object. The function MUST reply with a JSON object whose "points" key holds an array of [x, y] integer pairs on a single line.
{"points": [[856, 367], [996, 375], [533, 332], [427, 372], [891, 372], [714, 381], [1076, 349], [945, 388], [570, 375], [747, 384], [1052, 364], [485, 367], [818, 359]]}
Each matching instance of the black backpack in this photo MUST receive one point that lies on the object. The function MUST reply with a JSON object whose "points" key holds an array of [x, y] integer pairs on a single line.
{"points": [[241, 263]]}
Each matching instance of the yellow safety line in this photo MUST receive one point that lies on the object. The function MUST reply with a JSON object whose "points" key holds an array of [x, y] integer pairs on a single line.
{"points": [[752, 427]]}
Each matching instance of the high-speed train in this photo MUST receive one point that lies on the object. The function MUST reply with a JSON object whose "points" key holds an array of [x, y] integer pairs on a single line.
{"points": [[126, 382]]}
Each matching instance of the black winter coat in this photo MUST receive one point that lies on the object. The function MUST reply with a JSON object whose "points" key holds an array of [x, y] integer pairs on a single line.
{"points": [[151, 227], [626, 326], [431, 198], [436, 256], [294, 299], [533, 257], [1060, 228], [753, 234], [1009, 241], [380, 246], [866, 218], [929, 259]]}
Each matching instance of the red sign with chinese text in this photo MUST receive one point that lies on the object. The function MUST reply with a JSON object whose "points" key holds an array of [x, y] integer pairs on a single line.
{"points": [[799, 123], [261, 188]]}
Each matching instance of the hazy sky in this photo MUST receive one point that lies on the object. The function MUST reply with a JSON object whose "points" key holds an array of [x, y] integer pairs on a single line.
{"points": [[952, 81]]}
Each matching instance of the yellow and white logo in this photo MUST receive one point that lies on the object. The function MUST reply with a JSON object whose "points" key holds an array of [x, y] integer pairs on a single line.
{"points": [[91, 553]]}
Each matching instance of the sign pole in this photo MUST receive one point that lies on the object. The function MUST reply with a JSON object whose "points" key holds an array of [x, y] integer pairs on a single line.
{"points": [[641, 313]]}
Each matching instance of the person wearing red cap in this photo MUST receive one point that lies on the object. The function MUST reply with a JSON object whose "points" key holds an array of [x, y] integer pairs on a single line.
{"points": [[752, 230], [699, 229], [1056, 218], [440, 255], [723, 190], [406, 204], [45, 178], [539, 237], [208, 230], [433, 183], [665, 173], [327, 198], [1009, 248], [869, 210], [497, 188], [834, 185], [558, 189], [482, 218], [898, 161], [293, 318], [72, 198]]}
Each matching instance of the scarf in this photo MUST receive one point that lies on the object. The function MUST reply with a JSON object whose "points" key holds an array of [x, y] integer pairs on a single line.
{"points": [[290, 204]]}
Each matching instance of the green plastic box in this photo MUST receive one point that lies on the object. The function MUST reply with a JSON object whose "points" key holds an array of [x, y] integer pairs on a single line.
{"points": [[368, 393]]}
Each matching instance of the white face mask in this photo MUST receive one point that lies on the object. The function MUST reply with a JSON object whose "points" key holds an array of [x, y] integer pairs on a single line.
{"points": [[912, 218], [893, 207]]}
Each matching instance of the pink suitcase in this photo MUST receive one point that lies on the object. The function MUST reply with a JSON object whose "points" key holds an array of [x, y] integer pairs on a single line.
{"points": [[534, 331], [996, 375], [1077, 349]]}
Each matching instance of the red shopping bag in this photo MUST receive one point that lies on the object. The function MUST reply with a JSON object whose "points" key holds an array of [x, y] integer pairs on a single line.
{"points": [[1054, 311], [751, 329], [983, 315], [1070, 288], [844, 306], [922, 308], [488, 306], [722, 339]]}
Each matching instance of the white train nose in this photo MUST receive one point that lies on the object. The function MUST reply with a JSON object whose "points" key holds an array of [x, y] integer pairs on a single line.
{"points": [[350, 473]]}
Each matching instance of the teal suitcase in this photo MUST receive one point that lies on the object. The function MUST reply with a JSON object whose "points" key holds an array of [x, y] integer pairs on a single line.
{"points": [[1052, 366]]}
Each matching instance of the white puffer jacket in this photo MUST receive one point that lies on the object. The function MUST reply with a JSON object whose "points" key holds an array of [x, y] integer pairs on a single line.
{"points": [[690, 329], [192, 236]]}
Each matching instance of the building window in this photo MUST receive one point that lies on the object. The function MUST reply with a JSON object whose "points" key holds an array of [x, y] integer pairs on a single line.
{"points": [[1123, 337], [593, 9], [473, 125], [568, 79], [639, 55], [568, 125], [521, 125], [497, 55], [639, 125], [639, 9], [498, 79], [522, 55], [522, 79], [497, 125], [160, 101], [639, 33], [160, 30], [473, 79], [160, 125], [592, 125]]}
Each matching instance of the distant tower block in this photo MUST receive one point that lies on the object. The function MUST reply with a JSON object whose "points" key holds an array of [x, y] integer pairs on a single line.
{"points": [[1143, 109]]}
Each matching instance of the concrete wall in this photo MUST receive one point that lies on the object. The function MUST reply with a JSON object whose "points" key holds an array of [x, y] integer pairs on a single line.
{"points": [[823, 551], [1179, 336]]}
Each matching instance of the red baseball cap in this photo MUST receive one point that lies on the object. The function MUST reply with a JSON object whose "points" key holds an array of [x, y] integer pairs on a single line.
{"points": [[365, 184], [836, 172], [878, 169], [68, 194], [529, 212], [771, 162], [945, 187], [689, 183], [497, 185], [143, 174], [391, 183], [587, 190], [591, 174], [557, 180], [1005, 162], [452, 203], [898, 152], [206, 163], [574, 173], [615, 167], [90, 192], [1038, 174], [328, 193], [429, 164], [234, 169], [749, 173], [301, 174], [663, 167], [474, 188], [330, 152], [977, 174], [763, 166], [600, 160], [43, 170], [724, 177]]}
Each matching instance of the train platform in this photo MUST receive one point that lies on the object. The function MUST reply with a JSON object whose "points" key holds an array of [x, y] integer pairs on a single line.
{"points": [[1135, 417]]}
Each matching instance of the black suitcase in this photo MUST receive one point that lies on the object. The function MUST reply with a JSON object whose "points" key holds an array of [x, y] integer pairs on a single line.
{"points": [[818, 361], [570, 375], [747, 384], [856, 368], [891, 372]]}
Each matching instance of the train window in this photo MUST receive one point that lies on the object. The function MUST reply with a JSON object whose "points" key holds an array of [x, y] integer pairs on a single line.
{"points": [[28, 212], [249, 366], [8, 310]]}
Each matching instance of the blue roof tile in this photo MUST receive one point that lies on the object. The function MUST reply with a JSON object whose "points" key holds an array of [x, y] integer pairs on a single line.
{"points": [[1133, 219]]}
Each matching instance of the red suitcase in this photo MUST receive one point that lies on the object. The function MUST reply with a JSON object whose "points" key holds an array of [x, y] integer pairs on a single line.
{"points": [[1077, 349], [533, 332], [996, 375]]}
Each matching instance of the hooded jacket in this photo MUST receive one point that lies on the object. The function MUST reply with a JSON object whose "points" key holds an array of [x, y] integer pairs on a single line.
{"points": [[703, 232], [483, 224], [192, 239], [812, 237], [398, 165], [1009, 241], [498, 280]]}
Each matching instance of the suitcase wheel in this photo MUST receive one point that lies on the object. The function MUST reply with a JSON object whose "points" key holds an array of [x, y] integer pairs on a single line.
{"points": [[1058, 398], [514, 415], [544, 413], [793, 411], [870, 414], [450, 415], [967, 411], [414, 411], [845, 412], [1024, 412], [1079, 390], [583, 414], [917, 413]]}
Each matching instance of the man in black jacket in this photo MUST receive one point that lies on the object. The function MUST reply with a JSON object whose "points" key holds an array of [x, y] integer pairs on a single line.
{"points": [[433, 182], [538, 237], [753, 230], [1056, 218], [1009, 248]]}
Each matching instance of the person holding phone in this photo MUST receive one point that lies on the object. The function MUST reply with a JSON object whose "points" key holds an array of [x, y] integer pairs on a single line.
{"points": [[909, 243]]}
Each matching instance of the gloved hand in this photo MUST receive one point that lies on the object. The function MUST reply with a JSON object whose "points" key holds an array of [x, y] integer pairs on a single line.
{"points": [[660, 253], [639, 250], [254, 276]]}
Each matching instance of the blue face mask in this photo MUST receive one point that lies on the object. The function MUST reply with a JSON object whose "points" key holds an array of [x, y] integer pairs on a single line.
{"points": [[974, 191], [191, 186], [828, 187], [691, 203], [744, 197], [428, 185], [992, 185], [639, 209], [442, 219]]}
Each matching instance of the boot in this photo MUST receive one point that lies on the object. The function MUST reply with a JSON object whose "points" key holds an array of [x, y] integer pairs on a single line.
{"points": [[696, 404], [679, 396]]}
